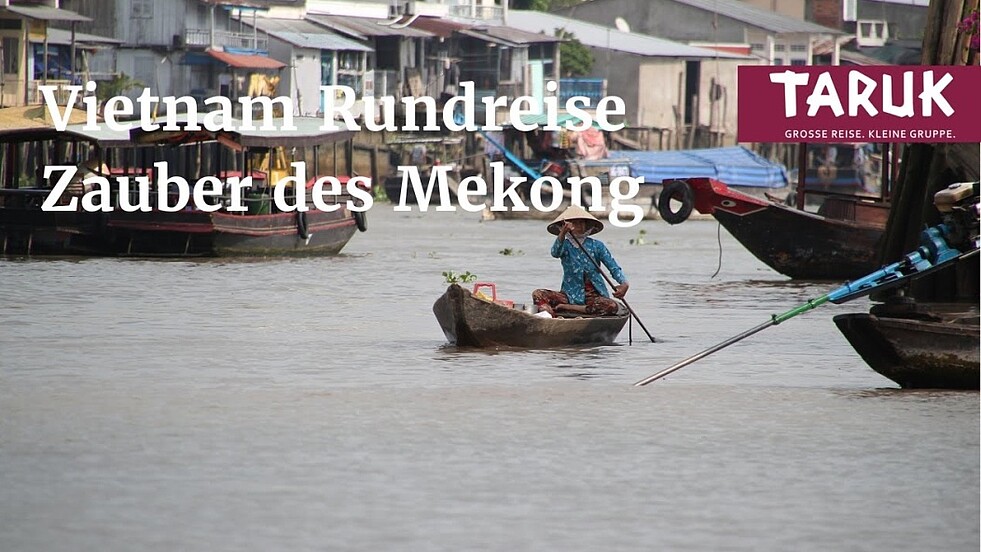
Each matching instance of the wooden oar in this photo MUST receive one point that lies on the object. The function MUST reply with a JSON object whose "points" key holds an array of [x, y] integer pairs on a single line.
{"points": [[773, 321], [610, 281], [705, 353], [925, 260]]}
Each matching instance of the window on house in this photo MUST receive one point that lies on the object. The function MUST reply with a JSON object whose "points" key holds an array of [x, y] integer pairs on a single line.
{"points": [[779, 48], [350, 70], [798, 47], [11, 55], [757, 46], [9, 24], [142, 9], [546, 53], [326, 68], [778, 61], [505, 67], [348, 61], [798, 62]]}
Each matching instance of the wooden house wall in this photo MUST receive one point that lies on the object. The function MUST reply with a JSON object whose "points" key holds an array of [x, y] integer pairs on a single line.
{"points": [[147, 22], [655, 90], [718, 111], [306, 80]]}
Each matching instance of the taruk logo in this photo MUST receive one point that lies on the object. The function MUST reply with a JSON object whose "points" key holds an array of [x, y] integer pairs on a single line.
{"points": [[871, 103], [860, 91]]}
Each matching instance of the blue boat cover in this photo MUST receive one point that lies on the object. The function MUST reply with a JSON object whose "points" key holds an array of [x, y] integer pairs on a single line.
{"points": [[733, 166]]}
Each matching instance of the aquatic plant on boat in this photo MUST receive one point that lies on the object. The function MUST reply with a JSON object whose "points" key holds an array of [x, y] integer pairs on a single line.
{"points": [[451, 277]]}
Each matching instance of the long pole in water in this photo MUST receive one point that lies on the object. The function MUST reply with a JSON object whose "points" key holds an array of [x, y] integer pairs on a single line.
{"points": [[933, 254], [609, 281], [774, 320]]}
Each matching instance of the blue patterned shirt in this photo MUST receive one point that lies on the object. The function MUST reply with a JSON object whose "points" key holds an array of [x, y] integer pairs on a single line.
{"points": [[575, 265]]}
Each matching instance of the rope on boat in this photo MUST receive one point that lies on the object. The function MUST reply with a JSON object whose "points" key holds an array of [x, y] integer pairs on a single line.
{"points": [[718, 237]]}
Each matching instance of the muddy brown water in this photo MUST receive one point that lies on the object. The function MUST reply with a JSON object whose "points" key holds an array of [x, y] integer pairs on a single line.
{"points": [[311, 404]]}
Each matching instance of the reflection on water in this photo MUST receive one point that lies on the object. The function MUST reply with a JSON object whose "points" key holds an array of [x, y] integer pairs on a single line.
{"points": [[258, 404]]}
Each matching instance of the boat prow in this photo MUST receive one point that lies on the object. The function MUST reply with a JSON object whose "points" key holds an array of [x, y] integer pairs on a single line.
{"points": [[468, 321], [841, 244], [939, 351]]}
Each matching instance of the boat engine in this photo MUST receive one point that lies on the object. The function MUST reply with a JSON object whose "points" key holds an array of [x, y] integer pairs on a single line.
{"points": [[959, 205]]}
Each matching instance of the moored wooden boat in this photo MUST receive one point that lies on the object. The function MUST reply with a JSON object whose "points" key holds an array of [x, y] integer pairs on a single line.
{"points": [[923, 349], [839, 243], [468, 321], [261, 231], [197, 233], [25, 149]]}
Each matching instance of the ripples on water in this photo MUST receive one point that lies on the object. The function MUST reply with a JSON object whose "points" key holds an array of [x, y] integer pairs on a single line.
{"points": [[312, 404]]}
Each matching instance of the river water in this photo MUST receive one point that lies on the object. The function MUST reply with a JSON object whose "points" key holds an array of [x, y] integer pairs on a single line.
{"points": [[311, 404]]}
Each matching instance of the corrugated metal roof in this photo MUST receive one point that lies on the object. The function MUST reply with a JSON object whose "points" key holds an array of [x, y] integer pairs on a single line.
{"points": [[757, 17], [598, 36], [306, 34], [439, 27], [45, 13], [507, 36], [473, 33], [365, 27], [517, 36], [857, 58], [64, 38], [320, 41]]}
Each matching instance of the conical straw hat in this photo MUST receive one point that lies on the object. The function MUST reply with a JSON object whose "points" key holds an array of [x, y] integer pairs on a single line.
{"points": [[574, 212]]}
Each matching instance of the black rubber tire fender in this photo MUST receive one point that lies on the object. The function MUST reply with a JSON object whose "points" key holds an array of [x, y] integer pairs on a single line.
{"points": [[678, 191], [361, 219]]}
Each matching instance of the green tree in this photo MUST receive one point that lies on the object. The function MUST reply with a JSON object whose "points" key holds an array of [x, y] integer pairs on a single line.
{"points": [[119, 85], [576, 59]]}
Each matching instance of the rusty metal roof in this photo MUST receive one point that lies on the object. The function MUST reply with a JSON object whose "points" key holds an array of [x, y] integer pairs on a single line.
{"points": [[439, 27]]}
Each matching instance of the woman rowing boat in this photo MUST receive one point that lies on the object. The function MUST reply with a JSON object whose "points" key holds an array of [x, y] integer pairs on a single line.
{"points": [[583, 289]]}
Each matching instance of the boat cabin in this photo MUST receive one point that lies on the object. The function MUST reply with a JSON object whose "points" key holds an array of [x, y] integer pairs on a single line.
{"points": [[29, 224]]}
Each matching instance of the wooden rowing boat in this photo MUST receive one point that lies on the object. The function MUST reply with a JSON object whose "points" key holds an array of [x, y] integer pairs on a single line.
{"points": [[468, 321], [927, 348]]}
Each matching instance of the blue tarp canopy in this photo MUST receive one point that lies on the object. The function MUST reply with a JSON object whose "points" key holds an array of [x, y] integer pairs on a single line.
{"points": [[735, 166]]}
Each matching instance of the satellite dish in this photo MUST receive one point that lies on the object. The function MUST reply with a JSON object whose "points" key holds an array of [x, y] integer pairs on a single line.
{"points": [[622, 25]]}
